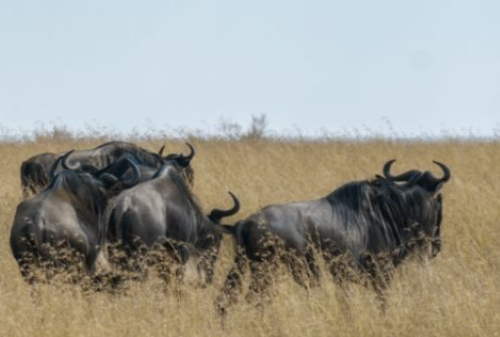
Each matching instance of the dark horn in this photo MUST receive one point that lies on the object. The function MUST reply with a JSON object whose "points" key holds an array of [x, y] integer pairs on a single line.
{"points": [[446, 171], [187, 159], [217, 214], [68, 166], [135, 178], [434, 183], [409, 175], [54, 166], [160, 152]]}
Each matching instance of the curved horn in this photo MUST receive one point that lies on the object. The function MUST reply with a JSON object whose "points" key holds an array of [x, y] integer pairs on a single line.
{"points": [[68, 166], [217, 214], [446, 171], [409, 175], [135, 178], [160, 151], [434, 183], [58, 161], [187, 159]]}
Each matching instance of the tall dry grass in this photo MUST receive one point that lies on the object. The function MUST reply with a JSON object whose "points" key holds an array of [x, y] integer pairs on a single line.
{"points": [[456, 294]]}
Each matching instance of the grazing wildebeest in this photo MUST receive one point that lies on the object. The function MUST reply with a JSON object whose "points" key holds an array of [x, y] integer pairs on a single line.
{"points": [[160, 222], [61, 228], [35, 170], [362, 229]]}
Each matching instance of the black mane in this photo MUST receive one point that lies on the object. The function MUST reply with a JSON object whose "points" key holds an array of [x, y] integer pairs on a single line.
{"points": [[380, 209]]}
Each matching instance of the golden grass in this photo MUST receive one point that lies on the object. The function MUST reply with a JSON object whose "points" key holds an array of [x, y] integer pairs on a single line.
{"points": [[456, 294]]}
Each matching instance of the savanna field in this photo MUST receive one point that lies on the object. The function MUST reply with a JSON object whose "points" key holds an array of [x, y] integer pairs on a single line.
{"points": [[455, 294]]}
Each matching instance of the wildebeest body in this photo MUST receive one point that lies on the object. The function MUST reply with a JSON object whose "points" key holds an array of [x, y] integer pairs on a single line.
{"points": [[162, 215], [56, 220], [62, 227], [367, 227]]}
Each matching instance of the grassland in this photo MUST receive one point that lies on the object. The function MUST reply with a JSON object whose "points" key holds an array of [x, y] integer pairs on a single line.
{"points": [[456, 294]]}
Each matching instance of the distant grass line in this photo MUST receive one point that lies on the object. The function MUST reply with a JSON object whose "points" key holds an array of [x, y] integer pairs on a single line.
{"points": [[258, 129], [456, 294]]}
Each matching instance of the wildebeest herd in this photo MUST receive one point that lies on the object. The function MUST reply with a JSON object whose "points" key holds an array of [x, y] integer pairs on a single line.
{"points": [[128, 208]]}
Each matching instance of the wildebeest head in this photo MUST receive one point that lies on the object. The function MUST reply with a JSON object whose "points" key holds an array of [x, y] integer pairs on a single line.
{"points": [[109, 180], [35, 173], [421, 193], [181, 162]]}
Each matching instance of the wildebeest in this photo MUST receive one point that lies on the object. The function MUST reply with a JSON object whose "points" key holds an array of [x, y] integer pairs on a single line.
{"points": [[35, 170], [363, 228], [61, 228], [160, 222]]}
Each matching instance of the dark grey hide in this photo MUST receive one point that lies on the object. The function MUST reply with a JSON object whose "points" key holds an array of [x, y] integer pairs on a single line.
{"points": [[61, 229], [160, 222], [363, 228], [35, 171]]}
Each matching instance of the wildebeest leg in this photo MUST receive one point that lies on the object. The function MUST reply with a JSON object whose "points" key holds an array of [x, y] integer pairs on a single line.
{"points": [[133, 258], [341, 269], [380, 270], [30, 272], [103, 276], [233, 284], [298, 267], [171, 257], [205, 267], [380, 286], [163, 266], [262, 273], [341, 272], [69, 263], [178, 281], [26, 254], [313, 267], [28, 267]]}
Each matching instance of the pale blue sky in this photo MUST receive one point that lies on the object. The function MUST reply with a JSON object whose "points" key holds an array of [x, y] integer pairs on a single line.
{"points": [[424, 66]]}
